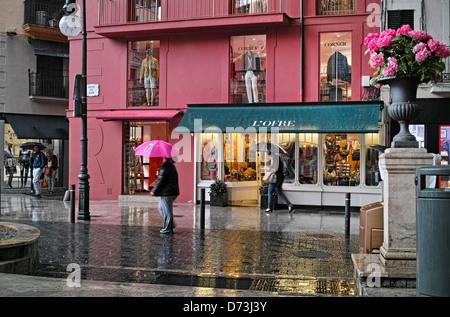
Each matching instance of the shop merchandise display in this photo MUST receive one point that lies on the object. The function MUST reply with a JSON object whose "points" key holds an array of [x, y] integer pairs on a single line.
{"points": [[342, 160]]}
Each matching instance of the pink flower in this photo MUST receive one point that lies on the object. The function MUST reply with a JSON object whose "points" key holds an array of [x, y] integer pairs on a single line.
{"points": [[421, 35], [419, 47], [432, 45], [442, 50], [385, 41], [391, 67], [371, 41], [404, 29], [376, 60], [422, 55]]}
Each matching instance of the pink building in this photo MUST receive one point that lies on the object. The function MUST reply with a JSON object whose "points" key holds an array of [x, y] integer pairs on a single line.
{"points": [[153, 58]]}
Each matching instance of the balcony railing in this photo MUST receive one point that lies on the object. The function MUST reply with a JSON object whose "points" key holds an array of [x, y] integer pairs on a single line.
{"points": [[335, 7], [125, 11], [43, 13], [48, 86]]}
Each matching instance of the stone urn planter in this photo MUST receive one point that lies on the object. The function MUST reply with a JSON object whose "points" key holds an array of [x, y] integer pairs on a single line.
{"points": [[403, 107]]}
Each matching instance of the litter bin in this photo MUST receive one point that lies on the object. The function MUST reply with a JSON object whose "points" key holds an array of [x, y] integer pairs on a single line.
{"points": [[371, 227], [433, 234]]}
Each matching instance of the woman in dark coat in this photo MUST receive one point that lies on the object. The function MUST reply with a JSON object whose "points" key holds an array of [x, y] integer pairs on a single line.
{"points": [[166, 186]]}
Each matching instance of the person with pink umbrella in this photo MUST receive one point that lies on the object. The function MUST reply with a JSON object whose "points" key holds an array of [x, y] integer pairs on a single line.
{"points": [[166, 184]]}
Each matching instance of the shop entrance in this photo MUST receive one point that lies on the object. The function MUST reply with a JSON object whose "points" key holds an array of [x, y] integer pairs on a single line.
{"points": [[139, 173]]}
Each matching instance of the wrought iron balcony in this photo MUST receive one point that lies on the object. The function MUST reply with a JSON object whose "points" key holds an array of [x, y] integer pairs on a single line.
{"points": [[113, 12], [335, 7], [43, 13], [48, 87]]}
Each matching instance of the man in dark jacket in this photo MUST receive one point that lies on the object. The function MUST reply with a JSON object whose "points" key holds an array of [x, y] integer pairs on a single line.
{"points": [[166, 186]]}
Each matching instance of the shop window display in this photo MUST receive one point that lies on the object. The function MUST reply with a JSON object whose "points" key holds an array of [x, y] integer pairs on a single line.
{"points": [[248, 69], [143, 74], [342, 154], [209, 164], [239, 162], [335, 66], [372, 159], [444, 148], [307, 173]]}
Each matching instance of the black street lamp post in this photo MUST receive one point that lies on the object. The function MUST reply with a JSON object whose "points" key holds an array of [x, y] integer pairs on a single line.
{"points": [[70, 26]]}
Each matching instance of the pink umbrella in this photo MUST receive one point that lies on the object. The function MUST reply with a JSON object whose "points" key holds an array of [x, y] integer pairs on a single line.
{"points": [[155, 148]]}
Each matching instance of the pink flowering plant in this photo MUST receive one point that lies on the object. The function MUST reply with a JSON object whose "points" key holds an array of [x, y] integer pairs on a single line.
{"points": [[405, 52]]}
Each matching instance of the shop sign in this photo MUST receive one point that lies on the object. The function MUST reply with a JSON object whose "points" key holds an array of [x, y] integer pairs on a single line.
{"points": [[92, 90]]}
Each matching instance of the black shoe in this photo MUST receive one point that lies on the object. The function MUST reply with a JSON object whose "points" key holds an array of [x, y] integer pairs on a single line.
{"points": [[291, 209], [38, 196]]}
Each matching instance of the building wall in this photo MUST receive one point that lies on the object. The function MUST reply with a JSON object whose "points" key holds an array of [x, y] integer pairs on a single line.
{"points": [[194, 69]]}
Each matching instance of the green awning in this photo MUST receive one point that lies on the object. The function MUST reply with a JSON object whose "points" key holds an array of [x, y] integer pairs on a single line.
{"points": [[344, 117]]}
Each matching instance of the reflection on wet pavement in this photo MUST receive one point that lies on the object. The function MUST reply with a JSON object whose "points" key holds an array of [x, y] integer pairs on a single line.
{"points": [[241, 247]]}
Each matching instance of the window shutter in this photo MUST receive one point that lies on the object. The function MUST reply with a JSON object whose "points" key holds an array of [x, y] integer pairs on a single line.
{"points": [[397, 18]]}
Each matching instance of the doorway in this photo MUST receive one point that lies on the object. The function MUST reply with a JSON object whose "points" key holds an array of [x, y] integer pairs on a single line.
{"points": [[139, 172]]}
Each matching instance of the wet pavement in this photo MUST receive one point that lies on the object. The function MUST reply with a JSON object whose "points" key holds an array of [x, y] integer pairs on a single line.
{"points": [[242, 252]]}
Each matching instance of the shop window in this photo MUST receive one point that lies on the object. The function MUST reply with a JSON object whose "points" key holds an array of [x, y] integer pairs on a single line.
{"points": [[239, 161], [248, 69], [372, 159], [308, 151], [144, 10], [210, 162], [287, 143], [444, 181], [342, 154], [143, 73], [335, 66], [249, 6]]}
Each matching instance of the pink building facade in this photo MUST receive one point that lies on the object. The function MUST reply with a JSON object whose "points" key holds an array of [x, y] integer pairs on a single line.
{"points": [[151, 59]]}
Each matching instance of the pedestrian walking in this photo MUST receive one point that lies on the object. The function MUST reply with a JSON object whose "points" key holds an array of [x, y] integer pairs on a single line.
{"points": [[51, 168], [37, 161], [279, 171], [166, 186]]}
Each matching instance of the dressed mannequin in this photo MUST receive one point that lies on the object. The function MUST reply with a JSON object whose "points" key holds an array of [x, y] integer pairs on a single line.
{"points": [[24, 166], [150, 73], [138, 169], [10, 164], [249, 64]]}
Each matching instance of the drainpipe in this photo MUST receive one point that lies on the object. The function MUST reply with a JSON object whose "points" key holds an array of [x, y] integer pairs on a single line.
{"points": [[302, 26]]}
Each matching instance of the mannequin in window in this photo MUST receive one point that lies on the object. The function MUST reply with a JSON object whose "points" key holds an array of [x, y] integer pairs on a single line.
{"points": [[24, 166], [10, 164], [150, 73], [343, 68], [138, 169], [250, 63]]}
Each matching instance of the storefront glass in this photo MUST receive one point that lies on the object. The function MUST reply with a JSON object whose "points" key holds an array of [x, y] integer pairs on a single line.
{"points": [[372, 158], [239, 161], [249, 6], [308, 151], [335, 66], [248, 69], [210, 163], [143, 73], [342, 154], [443, 152]]}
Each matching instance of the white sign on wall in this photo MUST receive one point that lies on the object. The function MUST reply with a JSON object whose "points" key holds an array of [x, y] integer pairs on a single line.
{"points": [[92, 90]]}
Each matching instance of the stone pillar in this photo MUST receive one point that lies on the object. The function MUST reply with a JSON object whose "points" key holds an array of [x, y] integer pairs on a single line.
{"points": [[398, 167]]}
